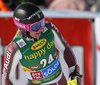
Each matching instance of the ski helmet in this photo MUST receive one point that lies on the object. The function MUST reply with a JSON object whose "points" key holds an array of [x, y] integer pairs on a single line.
{"points": [[28, 17]]}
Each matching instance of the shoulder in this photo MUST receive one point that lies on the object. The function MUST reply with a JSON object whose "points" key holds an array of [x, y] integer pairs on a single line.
{"points": [[51, 26], [10, 51], [12, 47]]}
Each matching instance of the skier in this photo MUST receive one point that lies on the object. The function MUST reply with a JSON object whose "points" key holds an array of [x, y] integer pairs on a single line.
{"points": [[36, 46]]}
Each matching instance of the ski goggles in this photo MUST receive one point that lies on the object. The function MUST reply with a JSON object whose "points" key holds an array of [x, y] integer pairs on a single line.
{"points": [[34, 27]]}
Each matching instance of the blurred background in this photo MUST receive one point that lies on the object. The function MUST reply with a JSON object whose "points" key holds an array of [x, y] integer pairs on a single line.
{"points": [[77, 20], [83, 5]]}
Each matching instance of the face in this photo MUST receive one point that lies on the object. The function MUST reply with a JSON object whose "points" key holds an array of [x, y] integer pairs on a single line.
{"points": [[35, 35]]}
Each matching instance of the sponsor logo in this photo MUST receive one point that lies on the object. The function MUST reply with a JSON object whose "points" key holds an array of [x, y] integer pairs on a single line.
{"points": [[25, 69], [36, 75], [45, 29], [39, 44], [34, 14], [30, 39], [47, 72], [20, 25], [7, 59], [50, 44], [17, 19], [51, 69], [21, 43], [34, 67], [36, 54], [54, 76], [36, 82]]}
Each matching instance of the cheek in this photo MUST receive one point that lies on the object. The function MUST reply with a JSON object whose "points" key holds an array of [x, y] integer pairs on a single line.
{"points": [[32, 34], [35, 35]]}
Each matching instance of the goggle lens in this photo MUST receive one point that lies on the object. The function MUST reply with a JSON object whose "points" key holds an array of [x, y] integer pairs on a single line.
{"points": [[36, 26]]}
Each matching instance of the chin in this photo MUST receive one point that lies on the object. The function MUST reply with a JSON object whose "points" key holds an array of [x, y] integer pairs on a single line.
{"points": [[37, 36]]}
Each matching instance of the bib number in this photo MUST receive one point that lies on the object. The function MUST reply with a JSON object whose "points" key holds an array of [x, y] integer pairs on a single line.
{"points": [[44, 61]]}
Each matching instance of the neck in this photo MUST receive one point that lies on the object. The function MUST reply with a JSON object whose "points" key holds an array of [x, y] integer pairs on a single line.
{"points": [[28, 37]]}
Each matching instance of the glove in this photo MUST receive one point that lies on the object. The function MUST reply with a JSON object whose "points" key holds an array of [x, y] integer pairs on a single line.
{"points": [[74, 74]]}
